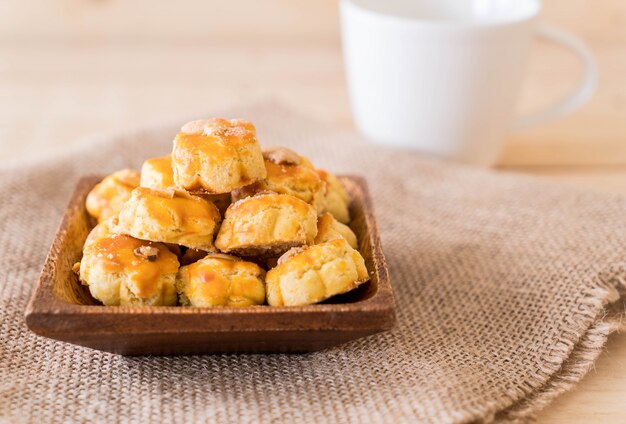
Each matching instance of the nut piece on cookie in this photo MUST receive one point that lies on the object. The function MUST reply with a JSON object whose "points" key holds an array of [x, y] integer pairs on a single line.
{"points": [[122, 270], [267, 225], [283, 156], [335, 198], [328, 228], [157, 173], [287, 173], [217, 155], [105, 200], [170, 216], [311, 274], [221, 280]]}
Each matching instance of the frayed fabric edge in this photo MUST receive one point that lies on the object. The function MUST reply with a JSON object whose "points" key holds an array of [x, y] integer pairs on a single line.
{"points": [[582, 358]]}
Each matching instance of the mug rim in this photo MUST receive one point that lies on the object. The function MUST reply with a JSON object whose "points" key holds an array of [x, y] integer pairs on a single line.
{"points": [[442, 23]]}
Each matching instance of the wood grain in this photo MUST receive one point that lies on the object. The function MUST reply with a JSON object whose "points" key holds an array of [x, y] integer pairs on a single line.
{"points": [[62, 309]]}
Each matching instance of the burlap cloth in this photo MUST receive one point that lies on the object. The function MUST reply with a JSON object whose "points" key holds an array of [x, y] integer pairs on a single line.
{"points": [[505, 287]]}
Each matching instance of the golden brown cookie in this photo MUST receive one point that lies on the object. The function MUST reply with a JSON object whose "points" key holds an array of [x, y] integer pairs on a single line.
{"points": [[122, 270], [157, 173], [328, 228], [105, 200], [170, 216], [103, 229], [267, 224], [217, 155], [312, 274], [221, 280], [335, 197], [287, 173]]}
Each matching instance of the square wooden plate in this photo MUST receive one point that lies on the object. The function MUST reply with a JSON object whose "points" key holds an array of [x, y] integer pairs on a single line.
{"points": [[62, 309]]}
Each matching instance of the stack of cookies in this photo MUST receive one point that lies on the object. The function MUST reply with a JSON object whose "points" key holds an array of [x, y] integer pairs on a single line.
{"points": [[220, 222]]}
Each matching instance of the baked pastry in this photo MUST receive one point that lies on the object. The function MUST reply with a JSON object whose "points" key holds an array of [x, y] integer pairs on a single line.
{"points": [[335, 198], [103, 229], [170, 216], [312, 274], [159, 232], [287, 173], [267, 224], [328, 228], [221, 280], [157, 173], [122, 270], [105, 200], [217, 155]]}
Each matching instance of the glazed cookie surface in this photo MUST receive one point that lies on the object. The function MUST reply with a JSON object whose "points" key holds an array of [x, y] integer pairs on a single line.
{"points": [[104, 229], [267, 224], [122, 270], [312, 274], [170, 216], [217, 155], [335, 198], [328, 228], [287, 173], [157, 173], [105, 200], [221, 280]]}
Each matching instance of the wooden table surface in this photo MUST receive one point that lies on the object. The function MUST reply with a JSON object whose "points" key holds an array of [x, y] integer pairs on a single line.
{"points": [[70, 68]]}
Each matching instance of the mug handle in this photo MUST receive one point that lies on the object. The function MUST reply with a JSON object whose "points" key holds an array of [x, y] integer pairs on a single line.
{"points": [[576, 98]]}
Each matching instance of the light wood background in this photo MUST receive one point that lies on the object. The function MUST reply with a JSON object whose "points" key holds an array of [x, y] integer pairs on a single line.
{"points": [[70, 68]]}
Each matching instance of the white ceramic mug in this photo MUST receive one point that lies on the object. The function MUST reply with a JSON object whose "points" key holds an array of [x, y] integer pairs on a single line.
{"points": [[443, 76]]}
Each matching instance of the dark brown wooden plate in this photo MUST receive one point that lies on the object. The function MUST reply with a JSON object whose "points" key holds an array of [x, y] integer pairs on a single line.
{"points": [[62, 309]]}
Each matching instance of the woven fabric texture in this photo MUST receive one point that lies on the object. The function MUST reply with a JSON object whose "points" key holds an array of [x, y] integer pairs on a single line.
{"points": [[506, 290]]}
